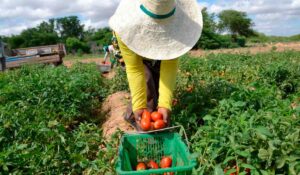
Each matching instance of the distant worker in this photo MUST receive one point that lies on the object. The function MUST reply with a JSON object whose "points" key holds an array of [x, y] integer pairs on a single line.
{"points": [[113, 53]]}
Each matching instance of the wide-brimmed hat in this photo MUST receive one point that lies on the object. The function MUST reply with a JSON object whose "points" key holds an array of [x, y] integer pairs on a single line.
{"points": [[158, 29]]}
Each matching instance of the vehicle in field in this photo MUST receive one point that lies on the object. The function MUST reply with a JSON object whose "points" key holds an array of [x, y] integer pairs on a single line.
{"points": [[50, 54]]}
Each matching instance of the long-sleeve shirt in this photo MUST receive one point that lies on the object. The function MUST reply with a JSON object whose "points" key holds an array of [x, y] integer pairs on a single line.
{"points": [[137, 82]]}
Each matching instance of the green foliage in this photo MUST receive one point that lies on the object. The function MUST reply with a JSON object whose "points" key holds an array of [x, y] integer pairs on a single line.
{"points": [[70, 27], [237, 110], [51, 32], [243, 110], [75, 45], [235, 22], [119, 82], [46, 120], [262, 38], [33, 37], [103, 36], [210, 39]]}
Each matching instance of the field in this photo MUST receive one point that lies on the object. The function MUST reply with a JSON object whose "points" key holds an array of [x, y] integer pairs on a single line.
{"points": [[239, 110]]}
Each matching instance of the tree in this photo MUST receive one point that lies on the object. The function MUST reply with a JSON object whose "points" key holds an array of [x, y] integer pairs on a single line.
{"points": [[74, 45], [235, 22], [210, 39], [103, 36], [69, 27], [47, 27]]}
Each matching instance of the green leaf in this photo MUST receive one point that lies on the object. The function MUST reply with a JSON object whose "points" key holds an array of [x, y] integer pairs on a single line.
{"points": [[208, 118], [63, 140], [263, 154], [21, 146], [228, 159], [280, 162], [218, 170], [264, 131], [248, 166], [52, 123], [243, 153], [228, 172], [263, 172]]}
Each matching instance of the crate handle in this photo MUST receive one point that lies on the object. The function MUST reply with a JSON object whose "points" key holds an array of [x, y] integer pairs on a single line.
{"points": [[165, 129]]}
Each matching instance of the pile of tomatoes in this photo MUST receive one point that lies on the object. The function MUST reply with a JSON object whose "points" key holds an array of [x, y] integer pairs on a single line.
{"points": [[152, 121], [166, 162]]}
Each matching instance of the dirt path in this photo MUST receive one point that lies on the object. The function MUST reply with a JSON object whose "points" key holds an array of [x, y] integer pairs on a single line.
{"points": [[116, 107], [69, 63], [279, 47]]}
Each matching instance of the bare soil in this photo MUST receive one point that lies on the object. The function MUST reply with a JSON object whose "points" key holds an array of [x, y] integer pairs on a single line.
{"points": [[69, 63], [278, 47], [116, 107]]}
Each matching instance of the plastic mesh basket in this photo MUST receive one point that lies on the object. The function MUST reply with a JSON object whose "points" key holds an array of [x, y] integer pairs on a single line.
{"points": [[136, 148]]}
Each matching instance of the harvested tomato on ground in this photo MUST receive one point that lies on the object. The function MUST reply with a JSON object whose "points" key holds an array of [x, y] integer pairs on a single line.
{"points": [[156, 116], [152, 165], [141, 166], [166, 162]]}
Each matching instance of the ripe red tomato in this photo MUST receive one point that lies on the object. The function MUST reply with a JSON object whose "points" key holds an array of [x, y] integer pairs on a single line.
{"points": [[152, 165], [145, 124], [152, 126], [141, 166], [166, 162], [159, 124], [156, 116], [234, 173], [146, 115]]}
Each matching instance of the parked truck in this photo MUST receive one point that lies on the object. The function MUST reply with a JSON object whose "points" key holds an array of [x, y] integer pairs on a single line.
{"points": [[51, 54]]}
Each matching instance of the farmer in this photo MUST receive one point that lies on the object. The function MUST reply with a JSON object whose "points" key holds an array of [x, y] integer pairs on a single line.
{"points": [[112, 51], [151, 35]]}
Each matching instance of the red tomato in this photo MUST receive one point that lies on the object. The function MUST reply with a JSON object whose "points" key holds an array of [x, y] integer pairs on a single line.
{"points": [[146, 115], [156, 116], [234, 173], [152, 165], [166, 162], [141, 166], [145, 124], [152, 126], [159, 124]]}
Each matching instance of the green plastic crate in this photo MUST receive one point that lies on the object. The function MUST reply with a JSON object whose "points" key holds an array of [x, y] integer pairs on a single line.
{"points": [[136, 148]]}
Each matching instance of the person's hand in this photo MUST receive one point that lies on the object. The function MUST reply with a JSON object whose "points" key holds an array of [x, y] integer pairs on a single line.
{"points": [[166, 113], [138, 117]]}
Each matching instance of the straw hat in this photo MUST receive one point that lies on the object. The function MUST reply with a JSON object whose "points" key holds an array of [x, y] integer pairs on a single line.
{"points": [[158, 29]]}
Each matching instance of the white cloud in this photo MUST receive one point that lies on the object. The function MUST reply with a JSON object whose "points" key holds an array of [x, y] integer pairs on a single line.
{"points": [[18, 15], [269, 16]]}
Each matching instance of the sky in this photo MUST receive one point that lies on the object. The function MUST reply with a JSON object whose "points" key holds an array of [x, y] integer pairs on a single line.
{"points": [[280, 17]]}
